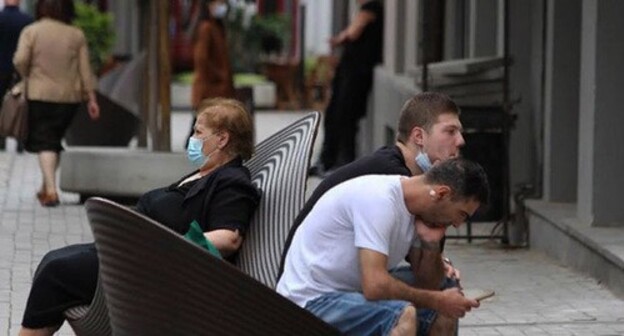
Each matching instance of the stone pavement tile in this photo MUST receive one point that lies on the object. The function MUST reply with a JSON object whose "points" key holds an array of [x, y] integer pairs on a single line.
{"points": [[534, 295], [5, 294]]}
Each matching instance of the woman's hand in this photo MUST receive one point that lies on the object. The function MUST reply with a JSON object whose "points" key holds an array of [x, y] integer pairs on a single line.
{"points": [[92, 106], [94, 109]]}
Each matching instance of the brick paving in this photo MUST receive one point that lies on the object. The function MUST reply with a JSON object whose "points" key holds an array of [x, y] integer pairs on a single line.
{"points": [[535, 295]]}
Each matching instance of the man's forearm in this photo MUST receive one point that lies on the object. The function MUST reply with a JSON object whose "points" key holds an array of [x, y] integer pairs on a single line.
{"points": [[427, 265], [421, 298]]}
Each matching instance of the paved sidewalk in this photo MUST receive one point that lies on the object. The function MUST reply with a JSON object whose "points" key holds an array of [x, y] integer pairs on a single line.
{"points": [[534, 295], [28, 231]]}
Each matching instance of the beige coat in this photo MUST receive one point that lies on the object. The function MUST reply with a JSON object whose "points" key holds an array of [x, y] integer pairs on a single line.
{"points": [[53, 56]]}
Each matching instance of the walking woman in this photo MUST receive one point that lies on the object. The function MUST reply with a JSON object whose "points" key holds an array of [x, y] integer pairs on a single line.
{"points": [[53, 58], [212, 71]]}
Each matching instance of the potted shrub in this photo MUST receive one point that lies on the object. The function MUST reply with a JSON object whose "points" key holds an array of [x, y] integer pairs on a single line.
{"points": [[98, 29]]}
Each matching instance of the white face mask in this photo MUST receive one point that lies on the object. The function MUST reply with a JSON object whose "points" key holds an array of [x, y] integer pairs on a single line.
{"points": [[219, 11], [422, 160]]}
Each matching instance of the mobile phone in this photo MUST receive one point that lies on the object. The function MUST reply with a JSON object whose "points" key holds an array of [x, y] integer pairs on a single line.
{"points": [[484, 295], [479, 294]]}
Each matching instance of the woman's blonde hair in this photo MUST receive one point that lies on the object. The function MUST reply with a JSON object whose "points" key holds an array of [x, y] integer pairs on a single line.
{"points": [[230, 115]]}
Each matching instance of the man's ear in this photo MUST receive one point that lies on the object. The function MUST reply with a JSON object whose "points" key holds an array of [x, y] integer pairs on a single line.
{"points": [[442, 191], [417, 135]]}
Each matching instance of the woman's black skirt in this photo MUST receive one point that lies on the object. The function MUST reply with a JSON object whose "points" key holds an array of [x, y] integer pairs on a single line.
{"points": [[47, 123]]}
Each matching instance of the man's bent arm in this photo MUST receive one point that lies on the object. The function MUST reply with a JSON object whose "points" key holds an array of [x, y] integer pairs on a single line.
{"points": [[378, 284]]}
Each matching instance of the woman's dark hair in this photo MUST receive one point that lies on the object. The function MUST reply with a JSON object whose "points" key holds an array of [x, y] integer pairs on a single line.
{"points": [[60, 10], [204, 13]]}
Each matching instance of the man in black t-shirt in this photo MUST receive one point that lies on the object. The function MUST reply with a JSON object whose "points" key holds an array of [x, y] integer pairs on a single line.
{"points": [[352, 82]]}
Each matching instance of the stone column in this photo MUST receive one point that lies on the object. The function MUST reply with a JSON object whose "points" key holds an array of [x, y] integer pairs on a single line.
{"points": [[561, 105], [601, 139], [393, 35]]}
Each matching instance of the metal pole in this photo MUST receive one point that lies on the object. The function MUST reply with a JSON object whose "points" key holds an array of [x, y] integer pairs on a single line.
{"points": [[144, 44], [164, 79], [302, 56], [507, 123], [425, 45]]}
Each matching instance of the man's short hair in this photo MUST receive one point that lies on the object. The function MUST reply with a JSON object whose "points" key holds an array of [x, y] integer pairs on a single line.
{"points": [[467, 179], [423, 110]]}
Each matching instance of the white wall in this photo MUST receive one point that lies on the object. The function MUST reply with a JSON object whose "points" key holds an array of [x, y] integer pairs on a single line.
{"points": [[318, 27], [126, 26]]}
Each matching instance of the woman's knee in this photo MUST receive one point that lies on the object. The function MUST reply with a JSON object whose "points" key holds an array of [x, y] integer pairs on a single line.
{"points": [[68, 261]]}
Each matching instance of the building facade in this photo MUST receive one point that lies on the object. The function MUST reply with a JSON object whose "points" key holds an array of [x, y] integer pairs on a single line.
{"points": [[562, 87]]}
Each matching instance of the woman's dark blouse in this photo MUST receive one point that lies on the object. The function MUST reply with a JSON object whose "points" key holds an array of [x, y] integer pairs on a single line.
{"points": [[223, 199]]}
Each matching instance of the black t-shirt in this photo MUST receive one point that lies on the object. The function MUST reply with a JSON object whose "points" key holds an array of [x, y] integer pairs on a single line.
{"points": [[385, 161], [223, 199], [364, 53]]}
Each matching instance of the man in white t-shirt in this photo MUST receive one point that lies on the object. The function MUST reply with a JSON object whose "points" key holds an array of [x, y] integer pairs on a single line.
{"points": [[340, 260]]}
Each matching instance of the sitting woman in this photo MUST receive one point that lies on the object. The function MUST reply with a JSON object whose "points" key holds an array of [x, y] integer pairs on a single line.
{"points": [[219, 196]]}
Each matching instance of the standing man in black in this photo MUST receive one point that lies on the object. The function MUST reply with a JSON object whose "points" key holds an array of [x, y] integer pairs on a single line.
{"points": [[362, 41], [12, 21]]}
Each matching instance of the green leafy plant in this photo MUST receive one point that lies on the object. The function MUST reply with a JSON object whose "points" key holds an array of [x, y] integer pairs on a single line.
{"points": [[252, 37], [98, 29], [273, 31]]}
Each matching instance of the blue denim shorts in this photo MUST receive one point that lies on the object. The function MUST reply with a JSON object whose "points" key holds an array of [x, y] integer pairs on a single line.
{"points": [[353, 314]]}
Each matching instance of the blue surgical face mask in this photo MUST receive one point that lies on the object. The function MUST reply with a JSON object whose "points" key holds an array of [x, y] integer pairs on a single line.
{"points": [[422, 160], [219, 11], [194, 152]]}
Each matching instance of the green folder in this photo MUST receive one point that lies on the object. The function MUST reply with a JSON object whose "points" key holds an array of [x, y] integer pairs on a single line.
{"points": [[196, 235]]}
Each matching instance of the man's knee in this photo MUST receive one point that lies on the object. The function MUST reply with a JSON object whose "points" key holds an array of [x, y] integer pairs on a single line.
{"points": [[443, 325], [407, 323]]}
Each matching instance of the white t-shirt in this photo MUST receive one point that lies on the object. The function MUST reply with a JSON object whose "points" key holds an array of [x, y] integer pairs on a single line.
{"points": [[365, 212]]}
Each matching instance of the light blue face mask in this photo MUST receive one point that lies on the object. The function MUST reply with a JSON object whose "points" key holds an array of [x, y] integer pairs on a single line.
{"points": [[422, 160], [194, 152]]}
